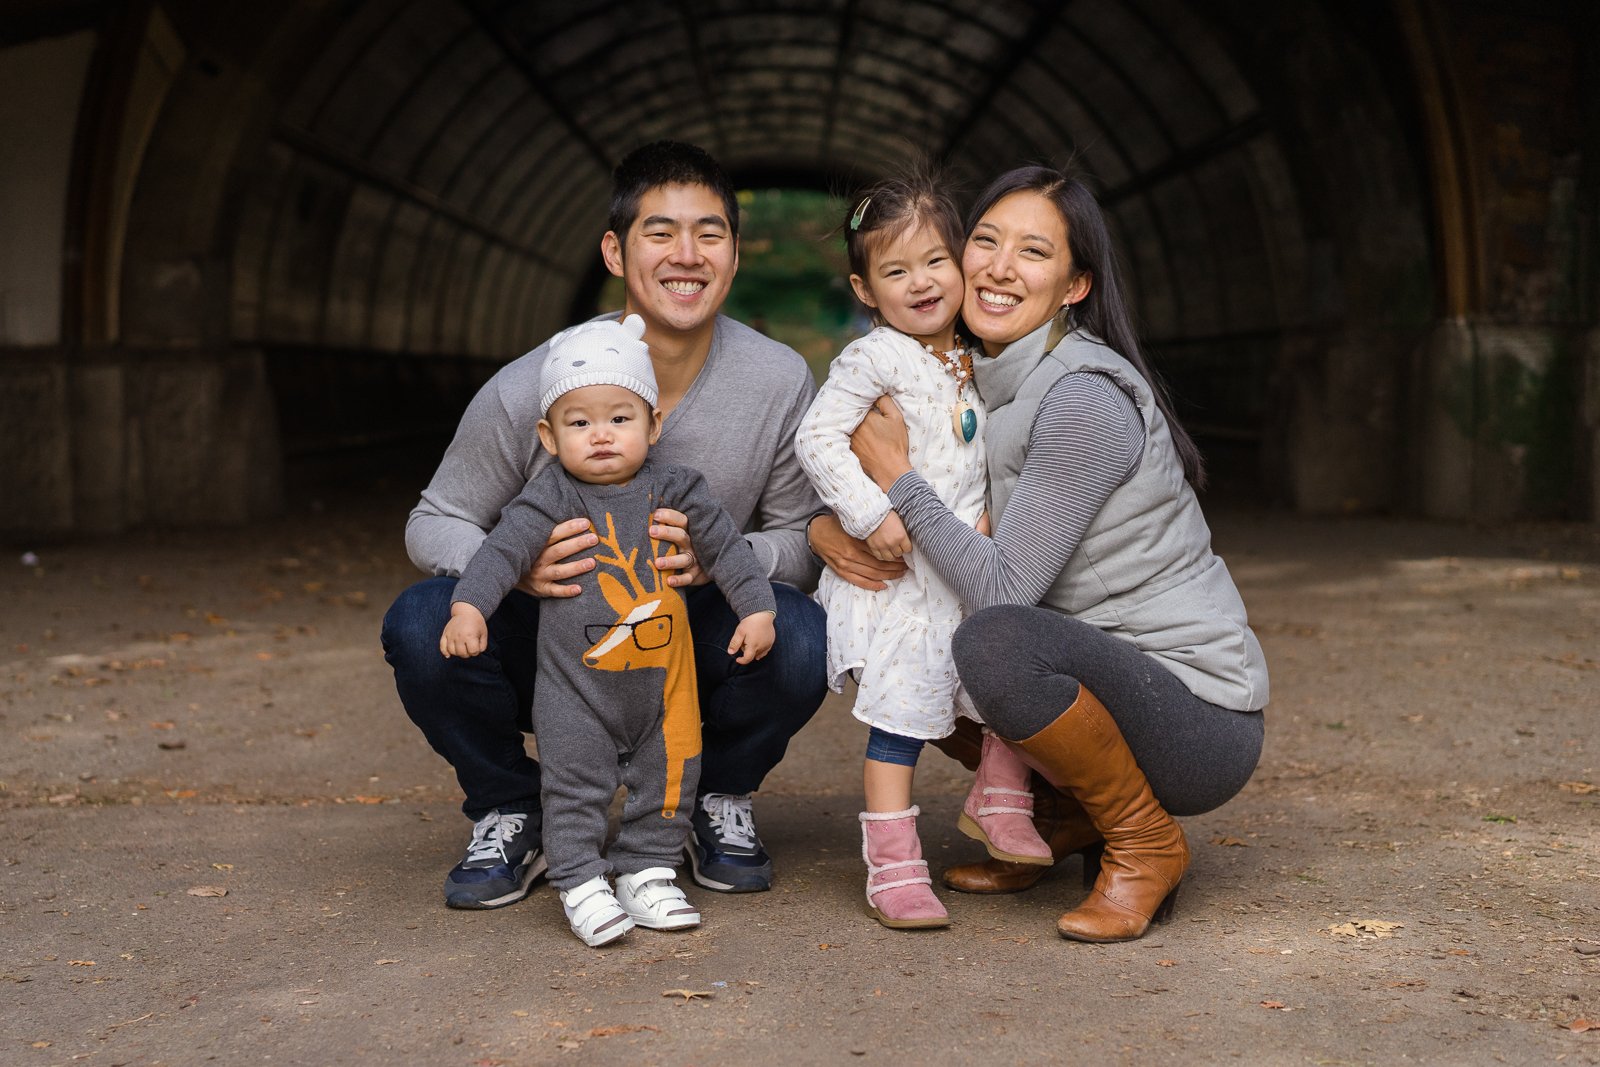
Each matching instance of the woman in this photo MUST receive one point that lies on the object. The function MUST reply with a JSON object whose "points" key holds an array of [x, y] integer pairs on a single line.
{"points": [[1135, 687]]}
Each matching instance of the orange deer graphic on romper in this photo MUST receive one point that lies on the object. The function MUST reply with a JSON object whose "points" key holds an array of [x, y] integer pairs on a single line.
{"points": [[652, 630]]}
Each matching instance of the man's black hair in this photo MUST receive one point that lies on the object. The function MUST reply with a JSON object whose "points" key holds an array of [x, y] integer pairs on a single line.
{"points": [[661, 163]]}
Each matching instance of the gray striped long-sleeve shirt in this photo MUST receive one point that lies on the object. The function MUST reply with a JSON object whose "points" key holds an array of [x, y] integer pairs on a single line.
{"points": [[1087, 439]]}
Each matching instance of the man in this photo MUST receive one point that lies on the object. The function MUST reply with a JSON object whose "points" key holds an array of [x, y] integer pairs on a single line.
{"points": [[731, 399]]}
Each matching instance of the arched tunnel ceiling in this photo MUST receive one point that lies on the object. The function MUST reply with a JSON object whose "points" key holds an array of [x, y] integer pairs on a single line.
{"points": [[438, 169], [325, 222]]}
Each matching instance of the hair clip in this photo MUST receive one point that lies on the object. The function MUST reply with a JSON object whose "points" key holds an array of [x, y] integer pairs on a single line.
{"points": [[861, 210]]}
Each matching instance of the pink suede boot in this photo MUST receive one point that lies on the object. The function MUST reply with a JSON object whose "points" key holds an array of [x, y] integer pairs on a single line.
{"points": [[899, 891], [999, 809]]}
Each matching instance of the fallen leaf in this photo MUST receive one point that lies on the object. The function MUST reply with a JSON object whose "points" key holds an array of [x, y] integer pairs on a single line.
{"points": [[1274, 1005], [688, 994], [1166, 963], [41, 1044], [1583, 789], [368, 799], [1573, 660], [380, 963], [1366, 928], [263, 656], [1579, 1026], [609, 1031], [223, 866], [207, 891], [520, 1014], [1230, 842], [163, 725], [80, 963], [569, 1045]]}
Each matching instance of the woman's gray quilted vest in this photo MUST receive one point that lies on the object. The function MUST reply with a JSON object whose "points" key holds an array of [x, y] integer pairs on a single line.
{"points": [[1144, 569]]}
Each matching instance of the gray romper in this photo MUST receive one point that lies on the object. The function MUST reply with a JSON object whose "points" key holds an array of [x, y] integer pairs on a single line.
{"points": [[615, 698]]}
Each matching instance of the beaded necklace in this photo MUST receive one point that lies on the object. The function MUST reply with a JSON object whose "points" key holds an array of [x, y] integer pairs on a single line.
{"points": [[957, 363]]}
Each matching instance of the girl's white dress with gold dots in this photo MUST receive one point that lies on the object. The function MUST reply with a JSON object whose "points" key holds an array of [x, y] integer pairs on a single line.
{"points": [[896, 641]]}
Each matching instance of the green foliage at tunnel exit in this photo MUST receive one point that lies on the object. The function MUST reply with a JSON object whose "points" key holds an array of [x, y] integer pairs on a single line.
{"points": [[793, 276]]}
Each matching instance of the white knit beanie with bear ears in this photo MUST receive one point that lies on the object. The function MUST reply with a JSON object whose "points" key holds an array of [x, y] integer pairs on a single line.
{"points": [[603, 352]]}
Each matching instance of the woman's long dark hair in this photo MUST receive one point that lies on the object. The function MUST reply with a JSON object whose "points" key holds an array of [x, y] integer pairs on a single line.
{"points": [[1103, 312]]}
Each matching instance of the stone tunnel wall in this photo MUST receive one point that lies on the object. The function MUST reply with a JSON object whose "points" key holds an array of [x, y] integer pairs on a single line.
{"points": [[1379, 277]]}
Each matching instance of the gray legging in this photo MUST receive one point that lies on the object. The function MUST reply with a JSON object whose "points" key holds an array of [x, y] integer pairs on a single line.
{"points": [[1023, 666]]}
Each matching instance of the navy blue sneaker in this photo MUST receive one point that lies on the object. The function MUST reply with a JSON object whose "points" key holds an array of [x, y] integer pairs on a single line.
{"points": [[501, 863], [724, 852]]}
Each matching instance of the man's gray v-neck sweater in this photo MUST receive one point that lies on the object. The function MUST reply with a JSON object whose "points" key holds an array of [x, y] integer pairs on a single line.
{"points": [[736, 425]]}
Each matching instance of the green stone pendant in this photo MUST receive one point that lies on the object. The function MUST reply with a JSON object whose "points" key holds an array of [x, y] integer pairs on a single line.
{"points": [[965, 422]]}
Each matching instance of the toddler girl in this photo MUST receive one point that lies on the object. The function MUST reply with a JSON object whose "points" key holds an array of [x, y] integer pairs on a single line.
{"points": [[903, 236]]}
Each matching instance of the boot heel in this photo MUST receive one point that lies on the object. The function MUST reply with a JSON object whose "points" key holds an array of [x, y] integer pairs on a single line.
{"points": [[1163, 913], [1092, 855]]}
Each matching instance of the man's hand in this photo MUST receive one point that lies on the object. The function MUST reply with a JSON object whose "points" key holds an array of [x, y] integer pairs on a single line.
{"points": [[890, 540], [673, 527], [984, 526], [466, 634], [851, 559], [550, 573], [753, 639]]}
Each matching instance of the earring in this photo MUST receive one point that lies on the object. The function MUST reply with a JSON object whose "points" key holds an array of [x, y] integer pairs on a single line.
{"points": [[1060, 326]]}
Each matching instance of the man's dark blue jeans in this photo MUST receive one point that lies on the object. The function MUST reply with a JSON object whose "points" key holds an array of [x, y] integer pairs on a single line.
{"points": [[475, 711]]}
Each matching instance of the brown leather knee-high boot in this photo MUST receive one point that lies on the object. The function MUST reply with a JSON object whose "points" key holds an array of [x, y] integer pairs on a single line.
{"points": [[964, 744], [1145, 853], [1060, 820]]}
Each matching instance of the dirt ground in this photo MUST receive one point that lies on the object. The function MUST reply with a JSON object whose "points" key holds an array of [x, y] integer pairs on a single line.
{"points": [[1412, 876]]}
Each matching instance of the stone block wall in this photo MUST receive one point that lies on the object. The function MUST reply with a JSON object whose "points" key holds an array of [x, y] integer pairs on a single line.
{"points": [[149, 438]]}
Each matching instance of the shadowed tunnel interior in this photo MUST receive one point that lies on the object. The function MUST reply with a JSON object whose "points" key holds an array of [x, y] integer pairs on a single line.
{"points": [[1361, 239]]}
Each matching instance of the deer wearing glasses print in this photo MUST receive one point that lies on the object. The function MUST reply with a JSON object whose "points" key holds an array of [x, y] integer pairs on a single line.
{"points": [[651, 630]]}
